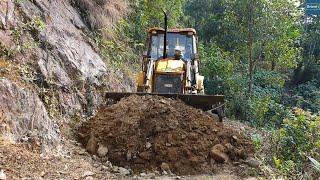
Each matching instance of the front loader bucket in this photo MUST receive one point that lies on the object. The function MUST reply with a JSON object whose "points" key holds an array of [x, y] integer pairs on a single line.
{"points": [[204, 102]]}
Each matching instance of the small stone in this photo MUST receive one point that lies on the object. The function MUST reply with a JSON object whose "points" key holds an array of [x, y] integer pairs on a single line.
{"points": [[253, 162], [168, 144], [87, 173], [254, 178], [3, 175], [143, 174], [152, 175], [102, 151], [81, 152], [164, 172], [25, 138], [164, 102], [235, 138], [89, 178], [123, 171], [217, 153], [92, 145], [148, 145], [115, 169], [165, 167]]}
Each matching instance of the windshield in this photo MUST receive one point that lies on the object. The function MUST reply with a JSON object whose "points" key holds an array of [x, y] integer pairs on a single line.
{"points": [[175, 41]]}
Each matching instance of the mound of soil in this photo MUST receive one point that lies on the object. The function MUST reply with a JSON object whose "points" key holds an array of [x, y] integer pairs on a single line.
{"points": [[148, 133]]}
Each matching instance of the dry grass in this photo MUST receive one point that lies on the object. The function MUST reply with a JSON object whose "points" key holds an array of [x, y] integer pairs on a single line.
{"points": [[103, 14]]}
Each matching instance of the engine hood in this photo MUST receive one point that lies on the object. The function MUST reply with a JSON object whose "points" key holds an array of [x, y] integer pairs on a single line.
{"points": [[170, 66]]}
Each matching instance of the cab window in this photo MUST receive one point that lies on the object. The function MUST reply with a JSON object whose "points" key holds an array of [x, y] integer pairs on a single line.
{"points": [[175, 41]]}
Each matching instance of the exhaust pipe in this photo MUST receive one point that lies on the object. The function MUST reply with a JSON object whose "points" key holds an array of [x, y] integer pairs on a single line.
{"points": [[165, 35]]}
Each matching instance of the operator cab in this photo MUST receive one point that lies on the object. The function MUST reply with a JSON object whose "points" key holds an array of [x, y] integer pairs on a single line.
{"points": [[181, 40]]}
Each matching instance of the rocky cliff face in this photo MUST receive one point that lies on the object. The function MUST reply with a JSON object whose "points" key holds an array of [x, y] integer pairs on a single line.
{"points": [[50, 69]]}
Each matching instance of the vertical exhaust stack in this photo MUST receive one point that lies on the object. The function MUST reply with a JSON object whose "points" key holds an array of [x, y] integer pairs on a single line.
{"points": [[165, 35]]}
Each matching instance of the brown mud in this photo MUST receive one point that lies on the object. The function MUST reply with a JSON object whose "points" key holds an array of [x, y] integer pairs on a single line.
{"points": [[152, 133]]}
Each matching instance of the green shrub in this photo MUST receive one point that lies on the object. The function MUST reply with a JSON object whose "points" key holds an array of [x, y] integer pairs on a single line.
{"points": [[297, 139], [257, 142], [271, 79], [307, 96]]}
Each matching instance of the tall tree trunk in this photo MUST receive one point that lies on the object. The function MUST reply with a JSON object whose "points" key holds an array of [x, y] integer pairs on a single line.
{"points": [[250, 45]]}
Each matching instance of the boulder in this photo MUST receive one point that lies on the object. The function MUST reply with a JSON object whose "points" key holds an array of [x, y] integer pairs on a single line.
{"points": [[217, 152], [92, 145]]}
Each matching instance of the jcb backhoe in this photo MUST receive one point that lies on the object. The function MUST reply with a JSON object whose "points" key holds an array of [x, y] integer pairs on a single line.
{"points": [[170, 68]]}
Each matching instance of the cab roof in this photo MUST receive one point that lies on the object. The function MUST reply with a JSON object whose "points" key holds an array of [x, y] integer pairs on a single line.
{"points": [[175, 30]]}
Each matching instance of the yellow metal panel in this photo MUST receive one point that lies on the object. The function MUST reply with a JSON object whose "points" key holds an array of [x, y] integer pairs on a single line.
{"points": [[169, 65], [200, 82], [140, 78]]}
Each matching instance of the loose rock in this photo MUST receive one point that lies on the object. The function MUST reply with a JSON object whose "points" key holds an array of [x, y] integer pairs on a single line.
{"points": [[217, 153], [92, 144], [102, 151], [87, 173], [3, 176], [252, 162], [165, 167], [148, 145], [123, 171]]}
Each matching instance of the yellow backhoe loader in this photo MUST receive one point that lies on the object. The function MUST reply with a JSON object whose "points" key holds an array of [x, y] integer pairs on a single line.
{"points": [[170, 68]]}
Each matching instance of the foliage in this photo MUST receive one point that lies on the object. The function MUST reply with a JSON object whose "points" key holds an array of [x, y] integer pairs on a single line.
{"points": [[148, 13], [307, 96], [257, 142], [297, 139]]}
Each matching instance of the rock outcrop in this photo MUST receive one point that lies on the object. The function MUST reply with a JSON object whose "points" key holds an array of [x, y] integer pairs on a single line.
{"points": [[23, 116], [62, 59]]}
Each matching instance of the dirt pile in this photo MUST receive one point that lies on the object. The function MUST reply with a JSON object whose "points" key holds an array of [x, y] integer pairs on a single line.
{"points": [[152, 133]]}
